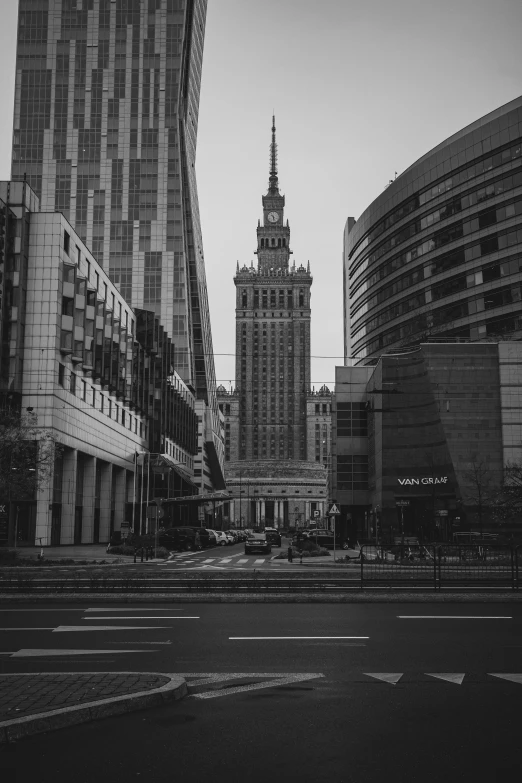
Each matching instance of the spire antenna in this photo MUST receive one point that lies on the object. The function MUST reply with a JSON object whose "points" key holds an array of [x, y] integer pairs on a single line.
{"points": [[273, 183]]}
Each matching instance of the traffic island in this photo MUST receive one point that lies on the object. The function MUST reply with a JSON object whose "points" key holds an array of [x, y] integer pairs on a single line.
{"points": [[29, 702]]}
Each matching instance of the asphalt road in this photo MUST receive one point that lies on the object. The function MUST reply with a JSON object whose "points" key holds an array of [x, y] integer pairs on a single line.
{"points": [[286, 692]]}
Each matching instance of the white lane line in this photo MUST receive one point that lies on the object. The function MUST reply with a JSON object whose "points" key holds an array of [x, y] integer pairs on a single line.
{"points": [[452, 617], [42, 653], [163, 617], [120, 609], [67, 628], [244, 560], [255, 638]]}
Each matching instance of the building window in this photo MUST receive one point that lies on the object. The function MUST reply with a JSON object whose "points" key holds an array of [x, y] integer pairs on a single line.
{"points": [[66, 241], [61, 374], [352, 419], [72, 383], [352, 472]]}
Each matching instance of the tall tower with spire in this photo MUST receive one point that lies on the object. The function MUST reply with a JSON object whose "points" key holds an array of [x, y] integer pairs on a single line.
{"points": [[272, 338]]}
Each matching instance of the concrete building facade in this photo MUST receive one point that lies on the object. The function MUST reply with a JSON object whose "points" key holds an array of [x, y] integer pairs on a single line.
{"points": [[105, 132], [99, 377]]}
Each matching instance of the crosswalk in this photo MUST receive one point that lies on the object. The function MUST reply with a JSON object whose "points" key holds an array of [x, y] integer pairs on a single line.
{"points": [[230, 561]]}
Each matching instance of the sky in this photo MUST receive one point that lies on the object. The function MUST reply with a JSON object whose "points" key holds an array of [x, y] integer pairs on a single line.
{"points": [[360, 90]]}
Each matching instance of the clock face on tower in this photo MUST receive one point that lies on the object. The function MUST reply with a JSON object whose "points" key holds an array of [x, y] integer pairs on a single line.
{"points": [[273, 217]]}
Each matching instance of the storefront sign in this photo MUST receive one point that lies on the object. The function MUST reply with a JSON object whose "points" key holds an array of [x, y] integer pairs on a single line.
{"points": [[410, 482]]}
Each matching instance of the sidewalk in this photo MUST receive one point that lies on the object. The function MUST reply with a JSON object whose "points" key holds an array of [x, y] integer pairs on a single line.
{"points": [[34, 703], [75, 552]]}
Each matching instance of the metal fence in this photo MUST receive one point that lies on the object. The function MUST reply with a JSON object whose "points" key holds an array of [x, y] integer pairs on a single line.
{"points": [[441, 566]]}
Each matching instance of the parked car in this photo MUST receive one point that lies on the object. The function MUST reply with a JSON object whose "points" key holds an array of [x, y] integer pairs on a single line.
{"points": [[273, 536], [257, 543], [221, 537], [179, 538], [207, 537]]}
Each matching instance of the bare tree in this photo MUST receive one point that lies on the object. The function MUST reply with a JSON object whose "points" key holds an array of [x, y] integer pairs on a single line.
{"points": [[509, 501], [480, 488], [27, 455]]}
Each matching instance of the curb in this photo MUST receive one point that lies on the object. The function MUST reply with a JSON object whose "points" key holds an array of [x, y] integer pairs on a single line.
{"points": [[356, 597], [13, 730]]}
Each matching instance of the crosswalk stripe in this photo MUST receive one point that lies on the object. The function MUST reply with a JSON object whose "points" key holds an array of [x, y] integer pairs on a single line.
{"points": [[226, 560], [511, 677], [258, 562], [210, 560], [393, 679], [245, 560]]}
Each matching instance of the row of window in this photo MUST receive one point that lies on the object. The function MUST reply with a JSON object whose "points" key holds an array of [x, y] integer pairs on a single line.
{"points": [[491, 244], [450, 208], [274, 298], [352, 472], [453, 232], [352, 419], [468, 172]]}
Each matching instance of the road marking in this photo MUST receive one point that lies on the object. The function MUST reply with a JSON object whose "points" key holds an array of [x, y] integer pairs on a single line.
{"points": [[511, 677], [211, 560], [258, 562], [244, 560], [451, 617], [120, 609], [270, 680], [247, 638], [392, 679], [40, 653], [65, 628], [456, 678], [226, 560], [134, 617]]}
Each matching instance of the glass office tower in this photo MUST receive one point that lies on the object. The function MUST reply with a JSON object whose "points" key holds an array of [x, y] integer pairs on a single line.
{"points": [[105, 128]]}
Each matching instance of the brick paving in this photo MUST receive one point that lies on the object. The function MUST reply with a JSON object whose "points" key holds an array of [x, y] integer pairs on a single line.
{"points": [[22, 695]]}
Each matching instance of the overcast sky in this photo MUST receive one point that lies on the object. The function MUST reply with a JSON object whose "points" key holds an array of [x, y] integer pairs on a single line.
{"points": [[360, 90]]}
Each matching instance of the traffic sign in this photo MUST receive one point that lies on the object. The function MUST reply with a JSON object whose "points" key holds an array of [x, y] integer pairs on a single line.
{"points": [[333, 511]]}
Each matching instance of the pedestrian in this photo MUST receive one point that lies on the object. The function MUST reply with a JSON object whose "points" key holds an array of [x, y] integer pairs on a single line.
{"points": [[290, 553]]}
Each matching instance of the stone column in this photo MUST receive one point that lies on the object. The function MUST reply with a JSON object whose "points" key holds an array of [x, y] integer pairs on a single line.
{"points": [[89, 491], [105, 501], [262, 510], [118, 490], [70, 463]]}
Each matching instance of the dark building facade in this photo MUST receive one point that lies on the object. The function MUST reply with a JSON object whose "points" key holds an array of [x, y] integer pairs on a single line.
{"points": [[439, 253], [421, 439]]}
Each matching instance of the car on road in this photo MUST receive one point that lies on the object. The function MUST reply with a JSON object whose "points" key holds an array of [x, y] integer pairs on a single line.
{"points": [[257, 543], [273, 536]]}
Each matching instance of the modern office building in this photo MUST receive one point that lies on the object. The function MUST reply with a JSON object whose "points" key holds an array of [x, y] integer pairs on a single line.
{"points": [[105, 130], [422, 438], [266, 416], [439, 253], [99, 379]]}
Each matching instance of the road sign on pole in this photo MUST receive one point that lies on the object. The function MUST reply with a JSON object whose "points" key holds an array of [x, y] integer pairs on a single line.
{"points": [[333, 511]]}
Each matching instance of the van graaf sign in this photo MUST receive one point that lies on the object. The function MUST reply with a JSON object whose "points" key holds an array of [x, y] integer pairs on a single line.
{"points": [[411, 482]]}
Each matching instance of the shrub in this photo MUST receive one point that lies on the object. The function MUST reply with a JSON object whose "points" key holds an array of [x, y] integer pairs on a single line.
{"points": [[125, 549], [8, 556]]}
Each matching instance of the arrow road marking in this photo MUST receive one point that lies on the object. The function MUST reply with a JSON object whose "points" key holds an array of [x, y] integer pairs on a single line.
{"points": [[393, 679], [270, 680], [456, 678]]}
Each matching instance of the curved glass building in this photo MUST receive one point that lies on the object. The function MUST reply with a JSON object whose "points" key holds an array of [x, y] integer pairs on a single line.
{"points": [[438, 255]]}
